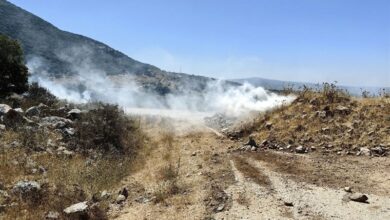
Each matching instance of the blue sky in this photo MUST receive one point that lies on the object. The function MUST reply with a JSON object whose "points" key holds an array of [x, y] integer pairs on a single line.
{"points": [[302, 40]]}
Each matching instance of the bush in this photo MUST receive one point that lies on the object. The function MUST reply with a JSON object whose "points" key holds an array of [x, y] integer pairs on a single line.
{"points": [[37, 94], [13, 72], [107, 128]]}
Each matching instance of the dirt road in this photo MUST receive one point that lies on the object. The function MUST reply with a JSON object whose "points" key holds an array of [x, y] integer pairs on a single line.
{"points": [[212, 181]]}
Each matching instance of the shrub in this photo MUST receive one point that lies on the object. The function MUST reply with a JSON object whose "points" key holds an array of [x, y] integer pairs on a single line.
{"points": [[37, 94], [13, 72], [107, 128]]}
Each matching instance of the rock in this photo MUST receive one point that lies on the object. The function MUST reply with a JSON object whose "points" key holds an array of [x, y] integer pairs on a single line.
{"points": [[74, 114], [105, 195], [342, 110], [26, 188], [220, 208], [379, 150], [120, 199], [13, 118], [358, 197], [20, 110], [124, 192], [251, 142], [68, 131], [193, 154], [253, 149], [300, 149], [364, 151], [77, 209], [52, 215], [2, 127], [55, 122], [348, 189], [4, 109], [33, 111]]}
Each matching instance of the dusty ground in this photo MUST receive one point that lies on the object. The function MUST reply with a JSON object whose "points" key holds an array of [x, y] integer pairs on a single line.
{"points": [[215, 182]]}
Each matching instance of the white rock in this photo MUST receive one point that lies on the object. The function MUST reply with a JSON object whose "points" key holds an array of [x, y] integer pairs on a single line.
{"points": [[4, 109], [121, 198], [77, 208]]}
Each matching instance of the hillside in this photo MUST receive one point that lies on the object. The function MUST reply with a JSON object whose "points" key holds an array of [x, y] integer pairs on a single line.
{"points": [[63, 54]]}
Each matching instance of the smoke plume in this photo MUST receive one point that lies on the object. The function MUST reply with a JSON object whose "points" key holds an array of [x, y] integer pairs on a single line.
{"points": [[90, 84]]}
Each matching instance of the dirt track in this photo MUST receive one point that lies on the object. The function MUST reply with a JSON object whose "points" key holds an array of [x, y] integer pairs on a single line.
{"points": [[217, 183]]}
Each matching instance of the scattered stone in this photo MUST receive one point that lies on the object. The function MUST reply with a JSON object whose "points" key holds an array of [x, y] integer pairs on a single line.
{"points": [[251, 142], [364, 151], [220, 208], [26, 188], [300, 150], [342, 110], [348, 189], [52, 215], [20, 110], [105, 195], [77, 209], [193, 154], [120, 199], [358, 197], [379, 151], [124, 192]]}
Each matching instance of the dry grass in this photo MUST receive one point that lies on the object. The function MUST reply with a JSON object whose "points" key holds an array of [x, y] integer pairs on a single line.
{"points": [[301, 124]]}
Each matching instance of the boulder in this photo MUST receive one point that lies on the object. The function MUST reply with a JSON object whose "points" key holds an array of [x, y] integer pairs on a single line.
{"points": [[33, 111]]}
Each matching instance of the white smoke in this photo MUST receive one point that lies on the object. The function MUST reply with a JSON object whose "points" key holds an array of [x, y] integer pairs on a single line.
{"points": [[90, 84]]}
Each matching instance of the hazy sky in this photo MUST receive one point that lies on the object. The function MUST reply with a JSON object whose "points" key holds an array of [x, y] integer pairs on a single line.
{"points": [[300, 40]]}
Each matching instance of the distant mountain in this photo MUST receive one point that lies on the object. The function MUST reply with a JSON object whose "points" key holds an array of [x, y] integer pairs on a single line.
{"points": [[278, 85], [63, 54]]}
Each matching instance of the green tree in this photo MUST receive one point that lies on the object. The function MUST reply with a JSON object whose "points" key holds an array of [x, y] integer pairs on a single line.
{"points": [[13, 72]]}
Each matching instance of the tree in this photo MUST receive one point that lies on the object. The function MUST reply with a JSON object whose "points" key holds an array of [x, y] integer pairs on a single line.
{"points": [[13, 72]]}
